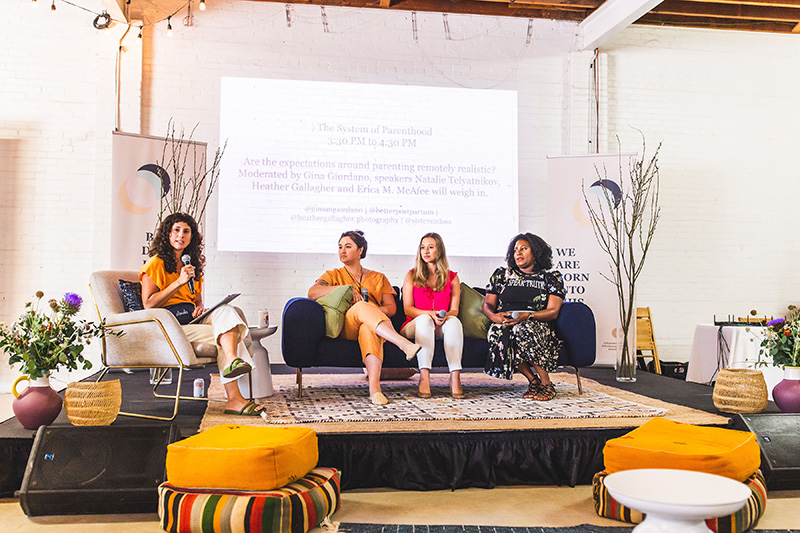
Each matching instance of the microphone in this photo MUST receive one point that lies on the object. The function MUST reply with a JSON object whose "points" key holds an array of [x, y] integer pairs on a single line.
{"points": [[513, 315], [442, 313], [187, 260], [365, 294]]}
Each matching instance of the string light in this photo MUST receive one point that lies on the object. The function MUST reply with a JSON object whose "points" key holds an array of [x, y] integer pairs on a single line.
{"points": [[202, 5], [53, 6], [169, 26], [140, 32]]}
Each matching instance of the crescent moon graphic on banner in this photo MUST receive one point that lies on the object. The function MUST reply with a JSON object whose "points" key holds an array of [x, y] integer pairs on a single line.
{"points": [[138, 194], [612, 187]]}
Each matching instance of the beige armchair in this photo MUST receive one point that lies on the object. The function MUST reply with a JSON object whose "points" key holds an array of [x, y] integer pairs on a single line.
{"points": [[152, 338]]}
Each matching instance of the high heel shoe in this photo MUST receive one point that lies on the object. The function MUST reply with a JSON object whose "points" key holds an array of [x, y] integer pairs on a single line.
{"points": [[455, 395], [379, 399], [411, 351]]}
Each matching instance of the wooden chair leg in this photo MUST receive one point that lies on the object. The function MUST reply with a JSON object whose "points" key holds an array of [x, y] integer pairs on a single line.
{"points": [[578, 378], [299, 382]]}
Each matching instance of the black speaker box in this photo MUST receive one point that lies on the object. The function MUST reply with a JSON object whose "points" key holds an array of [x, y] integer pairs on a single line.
{"points": [[779, 438], [96, 470]]}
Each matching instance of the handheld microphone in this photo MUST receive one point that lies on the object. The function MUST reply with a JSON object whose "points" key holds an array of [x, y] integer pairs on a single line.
{"points": [[513, 315], [365, 294], [442, 313], [187, 260]]}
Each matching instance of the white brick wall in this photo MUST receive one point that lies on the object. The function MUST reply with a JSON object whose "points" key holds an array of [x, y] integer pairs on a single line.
{"points": [[721, 101]]}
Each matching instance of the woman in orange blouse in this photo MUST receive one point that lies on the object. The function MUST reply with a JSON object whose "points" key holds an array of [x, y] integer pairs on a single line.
{"points": [[367, 320]]}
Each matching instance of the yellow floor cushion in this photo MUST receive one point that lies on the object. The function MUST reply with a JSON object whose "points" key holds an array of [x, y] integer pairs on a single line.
{"points": [[242, 457], [661, 443]]}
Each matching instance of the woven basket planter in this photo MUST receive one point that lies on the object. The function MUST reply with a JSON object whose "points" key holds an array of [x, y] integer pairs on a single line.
{"points": [[93, 404], [740, 390]]}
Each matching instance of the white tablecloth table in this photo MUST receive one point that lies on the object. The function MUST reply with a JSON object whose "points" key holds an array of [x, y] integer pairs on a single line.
{"points": [[717, 347]]}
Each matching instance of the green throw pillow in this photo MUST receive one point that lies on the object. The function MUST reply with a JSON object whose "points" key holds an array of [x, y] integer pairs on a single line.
{"points": [[470, 313], [336, 303]]}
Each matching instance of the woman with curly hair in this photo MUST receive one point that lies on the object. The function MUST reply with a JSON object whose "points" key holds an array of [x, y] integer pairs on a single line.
{"points": [[168, 283], [367, 320], [522, 300], [431, 294]]}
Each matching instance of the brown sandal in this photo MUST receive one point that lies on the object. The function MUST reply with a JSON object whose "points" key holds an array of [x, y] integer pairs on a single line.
{"points": [[534, 388], [545, 393]]}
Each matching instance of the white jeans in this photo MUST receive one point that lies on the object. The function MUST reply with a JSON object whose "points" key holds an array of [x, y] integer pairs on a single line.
{"points": [[422, 330], [221, 320]]}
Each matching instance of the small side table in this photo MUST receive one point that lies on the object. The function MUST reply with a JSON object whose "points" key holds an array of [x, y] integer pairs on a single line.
{"points": [[676, 501], [262, 376]]}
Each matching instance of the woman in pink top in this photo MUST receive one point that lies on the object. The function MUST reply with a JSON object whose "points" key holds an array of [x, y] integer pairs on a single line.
{"points": [[428, 289]]}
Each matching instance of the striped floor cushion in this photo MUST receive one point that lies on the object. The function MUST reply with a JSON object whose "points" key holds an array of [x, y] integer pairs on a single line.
{"points": [[296, 508], [740, 521]]}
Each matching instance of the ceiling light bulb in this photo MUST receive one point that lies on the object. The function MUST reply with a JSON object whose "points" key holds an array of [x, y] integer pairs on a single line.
{"points": [[202, 5], [53, 6], [169, 27]]}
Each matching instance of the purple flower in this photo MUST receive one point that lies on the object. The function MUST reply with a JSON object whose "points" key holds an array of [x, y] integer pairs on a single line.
{"points": [[775, 322], [73, 302]]}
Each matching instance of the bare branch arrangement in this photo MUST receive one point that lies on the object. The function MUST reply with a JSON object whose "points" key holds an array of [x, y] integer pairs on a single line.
{"points": [[624, 223], [192, 180]]}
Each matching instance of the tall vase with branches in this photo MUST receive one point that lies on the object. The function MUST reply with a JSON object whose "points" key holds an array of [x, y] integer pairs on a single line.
{"points": [[193, 180], [624, 223]]}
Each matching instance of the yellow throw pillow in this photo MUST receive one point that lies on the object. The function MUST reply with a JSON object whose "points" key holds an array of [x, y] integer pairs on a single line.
{"points": [[470, 313], [242, 457], [661, 443], [336, 303]]}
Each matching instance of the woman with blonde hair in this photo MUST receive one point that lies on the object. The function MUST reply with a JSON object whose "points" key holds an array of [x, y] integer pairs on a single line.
{"points": [[431, 294]]}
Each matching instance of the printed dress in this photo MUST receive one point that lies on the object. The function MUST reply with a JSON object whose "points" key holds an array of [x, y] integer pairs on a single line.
{"points": [[529, 341]]}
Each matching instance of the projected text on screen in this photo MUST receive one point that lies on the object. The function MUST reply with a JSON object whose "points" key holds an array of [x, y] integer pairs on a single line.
{"points": [[306, 161]]}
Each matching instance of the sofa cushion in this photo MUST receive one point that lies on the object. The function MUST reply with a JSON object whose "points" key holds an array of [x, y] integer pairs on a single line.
{"points": [[232, 457], [295, 508], [336, 303], [738, 522], [131, 295], [661, 443], [470, 313]]}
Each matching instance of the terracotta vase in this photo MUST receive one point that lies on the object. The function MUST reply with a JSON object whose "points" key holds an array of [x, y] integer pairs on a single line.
{"points": [[787, 393], [38, 405]]}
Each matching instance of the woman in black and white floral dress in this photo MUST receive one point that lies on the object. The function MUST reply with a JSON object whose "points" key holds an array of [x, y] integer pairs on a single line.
{"points": [[527, 342]]}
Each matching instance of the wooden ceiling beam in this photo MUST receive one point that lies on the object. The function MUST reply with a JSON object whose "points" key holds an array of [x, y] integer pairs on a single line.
{"points": [[697, 9], [758, 3], [657, 19], [474, 7]]}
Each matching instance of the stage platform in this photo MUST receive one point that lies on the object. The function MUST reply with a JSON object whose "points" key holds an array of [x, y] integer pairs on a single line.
{"points": [[412, 460]]}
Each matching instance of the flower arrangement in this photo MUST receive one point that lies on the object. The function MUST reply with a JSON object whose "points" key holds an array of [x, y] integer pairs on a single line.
{"points": [[44, 342], [780, 341]]}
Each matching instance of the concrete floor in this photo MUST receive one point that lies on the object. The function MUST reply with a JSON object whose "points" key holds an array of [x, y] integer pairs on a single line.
{"points": [[501, 506]]}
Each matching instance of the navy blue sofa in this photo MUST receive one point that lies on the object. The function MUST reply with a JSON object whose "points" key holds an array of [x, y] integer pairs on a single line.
{"points": [[305, 345]]}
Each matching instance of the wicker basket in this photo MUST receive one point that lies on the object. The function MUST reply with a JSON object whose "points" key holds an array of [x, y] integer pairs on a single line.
{"points": [[93, 404], [740, 390]]}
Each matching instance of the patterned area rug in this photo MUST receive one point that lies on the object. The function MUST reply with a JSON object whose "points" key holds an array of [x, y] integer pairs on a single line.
{"points": [[341, 401]]}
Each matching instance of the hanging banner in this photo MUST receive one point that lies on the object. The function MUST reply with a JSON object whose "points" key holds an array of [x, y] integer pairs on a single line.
{"points": [[576, 252], [138, 185]]}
